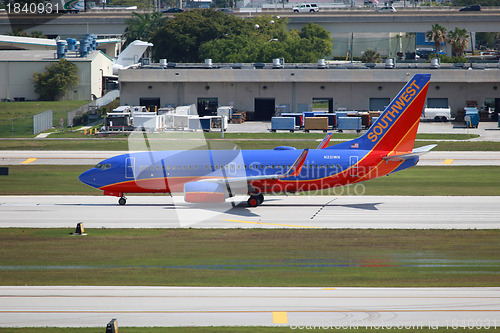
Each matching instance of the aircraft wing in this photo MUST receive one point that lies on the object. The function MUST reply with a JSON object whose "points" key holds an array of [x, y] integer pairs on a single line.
{"points": [[243, 181], [416, 152]]}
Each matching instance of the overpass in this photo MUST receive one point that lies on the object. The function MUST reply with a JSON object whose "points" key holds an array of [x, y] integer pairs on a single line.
{"points": [[106, 23]]}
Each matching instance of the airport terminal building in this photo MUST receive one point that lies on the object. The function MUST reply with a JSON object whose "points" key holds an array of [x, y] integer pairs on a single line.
{"points": [[297, 88]]}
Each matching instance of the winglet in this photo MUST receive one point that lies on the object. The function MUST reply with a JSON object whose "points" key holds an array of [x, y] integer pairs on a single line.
{"points": [[296, 166], [325, 141]]}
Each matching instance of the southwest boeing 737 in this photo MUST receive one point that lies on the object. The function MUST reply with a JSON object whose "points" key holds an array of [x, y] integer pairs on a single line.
{"points": [[215, 175]]}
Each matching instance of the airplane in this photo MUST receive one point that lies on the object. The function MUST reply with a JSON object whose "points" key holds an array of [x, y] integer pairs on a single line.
{"points": [[130, 56], [208, 176]]}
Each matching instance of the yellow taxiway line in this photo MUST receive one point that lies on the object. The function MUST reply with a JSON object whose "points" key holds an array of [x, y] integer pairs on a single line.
{"points": [[29, 160]]}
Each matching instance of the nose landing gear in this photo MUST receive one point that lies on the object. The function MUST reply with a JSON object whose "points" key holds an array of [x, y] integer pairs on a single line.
{"points": [[122, 201]]}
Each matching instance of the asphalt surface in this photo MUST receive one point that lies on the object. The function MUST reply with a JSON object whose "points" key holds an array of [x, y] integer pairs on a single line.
{"points": [[75, 306], [350, 211]]}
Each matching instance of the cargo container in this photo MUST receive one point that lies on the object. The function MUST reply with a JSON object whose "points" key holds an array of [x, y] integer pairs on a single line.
{"points": [[316, 123], [283, 123], [299, 118], [349, 123]]}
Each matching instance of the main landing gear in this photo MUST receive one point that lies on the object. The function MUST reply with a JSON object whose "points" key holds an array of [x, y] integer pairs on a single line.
{"points": [[255, 200], [122, 201]]}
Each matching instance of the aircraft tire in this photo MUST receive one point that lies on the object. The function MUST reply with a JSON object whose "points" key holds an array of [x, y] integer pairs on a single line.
{"points": [[122, 201], [260, 198], [252, 202]]}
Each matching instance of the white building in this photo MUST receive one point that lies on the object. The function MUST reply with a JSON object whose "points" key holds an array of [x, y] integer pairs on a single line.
{"points": [[17, 68]]}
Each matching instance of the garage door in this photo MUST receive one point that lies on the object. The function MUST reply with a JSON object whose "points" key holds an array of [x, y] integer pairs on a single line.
{"points": [[379, 104], [437, 102]]}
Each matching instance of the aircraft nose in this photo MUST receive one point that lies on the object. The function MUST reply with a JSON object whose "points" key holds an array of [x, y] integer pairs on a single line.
{"points": [[88, 178]]}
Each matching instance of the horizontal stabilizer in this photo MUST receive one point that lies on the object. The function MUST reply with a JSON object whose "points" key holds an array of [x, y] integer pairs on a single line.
{"points": [[325, 141], [416, 152], [297, 165]]}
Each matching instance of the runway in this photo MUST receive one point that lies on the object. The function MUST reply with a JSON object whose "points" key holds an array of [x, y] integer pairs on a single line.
{"points": [[16, 157], [82, 306], [349, 211]]}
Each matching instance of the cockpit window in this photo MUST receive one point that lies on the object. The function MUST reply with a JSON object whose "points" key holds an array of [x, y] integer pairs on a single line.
{"points": [[103, 166]]}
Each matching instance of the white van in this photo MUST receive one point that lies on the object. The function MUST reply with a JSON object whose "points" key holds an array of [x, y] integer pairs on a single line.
{"points": [[306, 8]]}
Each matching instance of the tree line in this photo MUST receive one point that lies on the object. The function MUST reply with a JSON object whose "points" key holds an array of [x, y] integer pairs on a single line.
{"points": [[209, 34]]}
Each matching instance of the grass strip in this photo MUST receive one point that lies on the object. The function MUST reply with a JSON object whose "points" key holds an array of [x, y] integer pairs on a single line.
{"points": [[264, 135], [256, 257], [420, 180], [276, 329], [123, 144], [16, 119]]}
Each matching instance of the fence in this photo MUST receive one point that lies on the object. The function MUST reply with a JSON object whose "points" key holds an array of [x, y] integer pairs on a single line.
{"points": [[19, 126], [42, 121], [77, 116], [26, 126]]}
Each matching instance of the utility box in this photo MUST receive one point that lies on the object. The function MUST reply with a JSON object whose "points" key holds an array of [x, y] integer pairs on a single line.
{"points": [[282, 123], [349, 123], [316, 123]]}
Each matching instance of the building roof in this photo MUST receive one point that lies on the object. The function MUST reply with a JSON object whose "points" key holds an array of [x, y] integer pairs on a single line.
{"points": [[43, 55]]}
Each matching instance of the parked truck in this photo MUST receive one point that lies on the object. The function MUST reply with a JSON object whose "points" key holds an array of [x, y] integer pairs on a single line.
{"points": [[68, 6]]}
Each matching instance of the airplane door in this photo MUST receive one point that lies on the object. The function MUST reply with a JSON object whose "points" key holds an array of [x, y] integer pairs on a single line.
{"points": [[353, 161], [232, 168], [129, 167]]}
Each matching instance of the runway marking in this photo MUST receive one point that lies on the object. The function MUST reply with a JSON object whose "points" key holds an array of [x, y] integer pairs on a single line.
{"points": [[275, 224], [280, 318], [29, 160], [328, 288], [448, 161]]}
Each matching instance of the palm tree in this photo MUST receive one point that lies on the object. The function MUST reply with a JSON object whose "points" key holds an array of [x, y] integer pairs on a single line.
{"points": [[459, 41], [371, 56], [142, 26], [438, 35]]}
